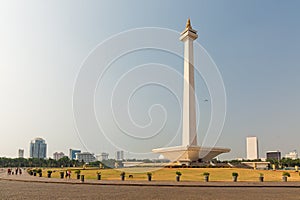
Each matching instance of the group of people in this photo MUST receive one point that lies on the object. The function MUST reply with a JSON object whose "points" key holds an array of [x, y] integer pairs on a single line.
{"points": [[16, 172]]}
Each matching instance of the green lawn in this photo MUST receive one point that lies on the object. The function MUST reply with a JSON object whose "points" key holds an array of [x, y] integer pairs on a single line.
{"points": [[188, 174]]}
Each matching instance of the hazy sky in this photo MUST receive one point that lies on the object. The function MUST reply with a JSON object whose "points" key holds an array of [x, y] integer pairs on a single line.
{"points": [[255, 44]]}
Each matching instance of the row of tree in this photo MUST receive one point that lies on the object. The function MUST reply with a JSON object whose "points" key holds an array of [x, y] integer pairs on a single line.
{"points": [[279, 164], [39, 162], [63, 162], [111, 163], [285, 162]]}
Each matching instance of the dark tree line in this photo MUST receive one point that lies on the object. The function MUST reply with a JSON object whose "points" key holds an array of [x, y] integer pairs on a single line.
{"points": [[39, 162], [63, 162], [282, 163], [285, 162], [111, 163]]}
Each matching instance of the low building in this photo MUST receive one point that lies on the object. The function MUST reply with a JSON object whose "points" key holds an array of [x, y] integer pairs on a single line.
{"points": [[273, 155], [58, 155], [132, 164], [102, 156], [85, 157], [292, 155], [72, 153], [257, 165]]}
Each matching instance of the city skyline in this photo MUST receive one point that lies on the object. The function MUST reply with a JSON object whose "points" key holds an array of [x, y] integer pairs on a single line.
{"points": [[254, 44], [251, 152]]}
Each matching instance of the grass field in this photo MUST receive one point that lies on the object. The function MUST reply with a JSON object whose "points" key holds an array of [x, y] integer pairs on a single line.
{"points": [[188, 174]]}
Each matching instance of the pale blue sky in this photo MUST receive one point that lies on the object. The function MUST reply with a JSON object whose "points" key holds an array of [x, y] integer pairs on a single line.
{"points": [[255, 44]]}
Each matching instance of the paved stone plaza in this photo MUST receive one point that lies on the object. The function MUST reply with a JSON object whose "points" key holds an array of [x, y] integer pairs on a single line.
{"points": [[34, 190]]}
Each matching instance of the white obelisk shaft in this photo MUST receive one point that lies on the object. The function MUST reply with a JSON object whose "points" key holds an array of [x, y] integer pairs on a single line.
{"points": [[189, 132]]}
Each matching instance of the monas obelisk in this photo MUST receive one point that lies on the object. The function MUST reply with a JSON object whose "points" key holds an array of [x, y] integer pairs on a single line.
{"points": [[189, 132], [189, 152]]}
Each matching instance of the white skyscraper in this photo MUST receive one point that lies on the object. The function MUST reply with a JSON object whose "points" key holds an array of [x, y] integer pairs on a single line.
{"points": [[252, 148]]}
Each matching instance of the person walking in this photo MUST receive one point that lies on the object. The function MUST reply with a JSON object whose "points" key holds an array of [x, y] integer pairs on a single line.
{"points": [[69, 174]]}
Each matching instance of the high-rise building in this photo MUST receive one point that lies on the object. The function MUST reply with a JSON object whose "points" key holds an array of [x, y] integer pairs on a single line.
{"points": [[273, 155], [38, 148], [120, 155], [85, 157], [292, 155], [21, 153], [252, 148], [72, 153], [58, 155]]}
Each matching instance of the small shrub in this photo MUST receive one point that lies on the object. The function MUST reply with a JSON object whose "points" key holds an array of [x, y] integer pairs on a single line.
{"points": [[178, 173], [149, 174], [235, 174], [286, 174], [99, 173], [122, 174], [261, 175], [205, 173], [77, 171]]}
